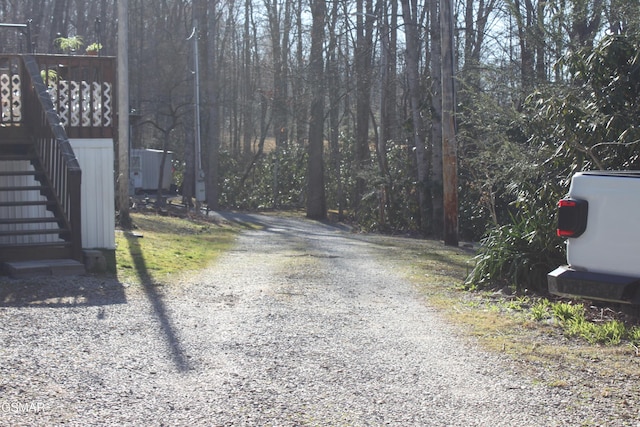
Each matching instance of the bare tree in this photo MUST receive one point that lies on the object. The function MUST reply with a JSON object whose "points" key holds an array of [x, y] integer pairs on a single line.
{"points": [[363, 53], [409, 12], [212, 130], [388, 98]]}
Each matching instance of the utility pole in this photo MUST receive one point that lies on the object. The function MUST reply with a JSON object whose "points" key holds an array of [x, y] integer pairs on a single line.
{"points": [[200, 182], [449, 149], [123, 113]]}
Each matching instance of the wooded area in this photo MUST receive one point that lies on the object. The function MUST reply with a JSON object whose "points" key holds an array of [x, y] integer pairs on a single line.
{"points": [[338, 105]]}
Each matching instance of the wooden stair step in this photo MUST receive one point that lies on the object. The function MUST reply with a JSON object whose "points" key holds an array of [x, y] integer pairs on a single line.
{"points": [[25, 188], [21, 173], [17, 140], [35, 246], [14, 132], [30, 203], [38, 220], [33, 232], [47, 267], [15, 157]]}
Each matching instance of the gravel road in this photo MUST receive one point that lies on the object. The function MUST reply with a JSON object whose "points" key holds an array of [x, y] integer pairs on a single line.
{"points": [[301, 324]]}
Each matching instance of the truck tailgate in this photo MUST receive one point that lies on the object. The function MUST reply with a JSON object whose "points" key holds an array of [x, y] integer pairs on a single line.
{"points": [[611, 242]]}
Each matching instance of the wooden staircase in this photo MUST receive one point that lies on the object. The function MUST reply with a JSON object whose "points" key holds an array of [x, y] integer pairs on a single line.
{"points": [[39, 181], [32, 224], [29, 210]]}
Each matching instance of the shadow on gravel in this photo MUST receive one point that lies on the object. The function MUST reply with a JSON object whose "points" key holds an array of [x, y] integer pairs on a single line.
{"points": [[242, 220], [60, 292], [159, 307]]}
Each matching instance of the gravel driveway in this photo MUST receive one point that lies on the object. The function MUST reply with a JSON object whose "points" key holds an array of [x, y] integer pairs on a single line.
{"points": [[301, 324]]}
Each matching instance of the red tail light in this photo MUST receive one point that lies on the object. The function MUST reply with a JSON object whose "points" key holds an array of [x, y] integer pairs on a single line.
{"points": [[572, 217]]}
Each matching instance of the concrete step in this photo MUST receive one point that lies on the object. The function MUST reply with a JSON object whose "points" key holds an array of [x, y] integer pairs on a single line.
{"points": [[48, 267]]}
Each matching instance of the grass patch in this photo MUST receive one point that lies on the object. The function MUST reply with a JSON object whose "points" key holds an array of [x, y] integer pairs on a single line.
{"points": [[160, 247]]}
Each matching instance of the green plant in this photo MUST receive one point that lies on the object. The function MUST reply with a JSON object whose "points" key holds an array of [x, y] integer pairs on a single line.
{"points": [[49, 76], [608, 333], [518, 304], [541, 310], [567, 312], [94, 47], [69, 44], [575, 324], [633, 334], [520, 253]]}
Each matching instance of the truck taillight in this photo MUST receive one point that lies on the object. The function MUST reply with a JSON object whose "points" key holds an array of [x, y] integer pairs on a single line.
{"points": [[572, 217]]}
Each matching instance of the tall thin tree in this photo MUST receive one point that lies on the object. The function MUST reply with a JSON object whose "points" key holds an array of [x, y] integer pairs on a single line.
{"points": [[316, 200], [409, 13], [449, 149]]}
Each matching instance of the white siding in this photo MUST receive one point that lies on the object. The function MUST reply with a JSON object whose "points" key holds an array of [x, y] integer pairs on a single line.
{"points": [[98, 193]]}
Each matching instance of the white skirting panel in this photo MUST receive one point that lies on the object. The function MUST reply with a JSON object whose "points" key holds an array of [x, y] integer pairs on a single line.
{"points": [[98, 192]]}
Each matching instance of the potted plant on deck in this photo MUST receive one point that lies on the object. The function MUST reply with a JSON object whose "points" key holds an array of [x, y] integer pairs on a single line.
{"points": [[69, 44], [93, 48]]}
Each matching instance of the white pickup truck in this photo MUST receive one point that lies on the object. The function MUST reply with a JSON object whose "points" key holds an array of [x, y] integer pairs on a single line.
{"points": [[600, 218]]}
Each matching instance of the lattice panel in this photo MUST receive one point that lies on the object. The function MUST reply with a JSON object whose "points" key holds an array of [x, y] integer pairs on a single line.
{"points": [[11, 98], [107, 107], [60, 97], [16, 99], [83, 104], [74, 100], [96, 95]]}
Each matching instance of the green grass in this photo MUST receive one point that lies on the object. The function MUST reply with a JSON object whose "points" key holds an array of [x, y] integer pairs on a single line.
{"points": [[160, 247]]}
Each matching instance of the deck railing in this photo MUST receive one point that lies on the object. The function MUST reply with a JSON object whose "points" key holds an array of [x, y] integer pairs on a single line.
{"points": [[55, 153], [82, 90]]}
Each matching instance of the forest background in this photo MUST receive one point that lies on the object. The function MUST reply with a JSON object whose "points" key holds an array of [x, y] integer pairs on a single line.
{"points": [[337, 105]]}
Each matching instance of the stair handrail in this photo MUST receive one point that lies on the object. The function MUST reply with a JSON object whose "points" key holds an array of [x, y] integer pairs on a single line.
{"points": [[54, 150]]}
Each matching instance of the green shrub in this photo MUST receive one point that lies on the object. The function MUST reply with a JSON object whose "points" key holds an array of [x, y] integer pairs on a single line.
{"points": [[517, 255], [520, 253]]}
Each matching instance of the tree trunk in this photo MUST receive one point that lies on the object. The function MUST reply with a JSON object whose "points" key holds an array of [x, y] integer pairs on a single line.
{"points": [[363, 53], [278, 50], [435, 187], [212, 108], [388, 113], [333, 92], [415, 101], [449, 149], [300, 87], [316, 201], [247, 86]]}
